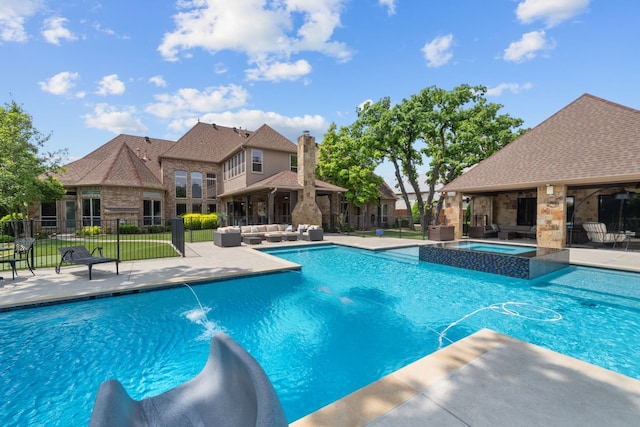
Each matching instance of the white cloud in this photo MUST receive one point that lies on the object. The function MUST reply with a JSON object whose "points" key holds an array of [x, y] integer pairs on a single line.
{"points": [[220, 68], [390, 5], [13, 15], [109, 118], [511, 87], [158, 81], [110, 85], [290, 127], [54, 30], [188, 102], [552, 12], [262, 30], [60, 84], [279, 71], [527, 47], [437, 52], [98, 27]]}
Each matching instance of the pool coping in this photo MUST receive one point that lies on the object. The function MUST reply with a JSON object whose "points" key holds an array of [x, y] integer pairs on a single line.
{"points": [[424, 392]]}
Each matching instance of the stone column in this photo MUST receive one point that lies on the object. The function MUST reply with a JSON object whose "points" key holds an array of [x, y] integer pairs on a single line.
{"points": [[306, 210], [551, 224], [453, 212]]}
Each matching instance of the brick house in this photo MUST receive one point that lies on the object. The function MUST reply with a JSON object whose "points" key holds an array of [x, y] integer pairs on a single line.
{"points": [[246, 177], [582, 164]]}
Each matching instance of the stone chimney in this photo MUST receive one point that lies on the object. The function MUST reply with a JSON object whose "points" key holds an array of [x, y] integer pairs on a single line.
{"points": [[306, 210]]}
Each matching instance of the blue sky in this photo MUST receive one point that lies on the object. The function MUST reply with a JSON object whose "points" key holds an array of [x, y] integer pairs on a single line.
{"points": [[89, 70]]}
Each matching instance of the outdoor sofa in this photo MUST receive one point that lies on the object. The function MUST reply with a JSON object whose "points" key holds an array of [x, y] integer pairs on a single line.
{"points": [[487, 231], [234, 236]]}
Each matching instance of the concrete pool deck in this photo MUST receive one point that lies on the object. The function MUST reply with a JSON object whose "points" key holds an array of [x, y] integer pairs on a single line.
{"points": [[485, 379]]}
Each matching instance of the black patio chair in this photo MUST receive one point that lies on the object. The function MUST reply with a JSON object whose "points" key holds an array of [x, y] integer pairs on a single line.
{"points": [[22, 248]]}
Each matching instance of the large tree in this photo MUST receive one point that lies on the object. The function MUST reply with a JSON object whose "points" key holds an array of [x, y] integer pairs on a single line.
{"points": [[451, 130], [460, 128], [25, 173], [343, 160]]}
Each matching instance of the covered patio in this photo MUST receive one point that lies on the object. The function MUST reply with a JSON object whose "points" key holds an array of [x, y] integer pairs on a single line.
{"points": [[582, 165]]}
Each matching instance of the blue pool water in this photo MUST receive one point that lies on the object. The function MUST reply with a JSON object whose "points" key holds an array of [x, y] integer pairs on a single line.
{"points": [[492, 247], [347, 319]]}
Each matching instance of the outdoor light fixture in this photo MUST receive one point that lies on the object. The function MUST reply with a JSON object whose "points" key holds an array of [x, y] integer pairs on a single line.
{"points": [[549, 189]]}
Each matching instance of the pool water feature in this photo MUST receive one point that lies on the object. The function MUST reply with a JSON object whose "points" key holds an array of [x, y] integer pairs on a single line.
{"points": [[348, 318], [523, 262]]}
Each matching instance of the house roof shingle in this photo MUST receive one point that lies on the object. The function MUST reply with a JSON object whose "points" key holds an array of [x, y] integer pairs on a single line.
{"points": [[213, 143], [126, 160], [590, 141]]}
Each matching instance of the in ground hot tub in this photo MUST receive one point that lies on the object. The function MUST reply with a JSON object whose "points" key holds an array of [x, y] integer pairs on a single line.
{"points": [[523, 262]]}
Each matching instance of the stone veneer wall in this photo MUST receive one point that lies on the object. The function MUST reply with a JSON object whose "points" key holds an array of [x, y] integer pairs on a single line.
{"points": [[453, 213], [169, 166], [306, 210], [552, 211], [482, 206]]}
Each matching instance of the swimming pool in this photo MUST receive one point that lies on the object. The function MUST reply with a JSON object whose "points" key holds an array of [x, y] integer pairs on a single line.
{"points": [[348, 318]]}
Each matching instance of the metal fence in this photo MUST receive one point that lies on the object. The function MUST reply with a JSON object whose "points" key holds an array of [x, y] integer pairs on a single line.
{"points": [[126, 241]]}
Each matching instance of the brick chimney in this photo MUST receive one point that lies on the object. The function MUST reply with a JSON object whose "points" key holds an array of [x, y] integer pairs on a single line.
{"points": [[306, 210]]}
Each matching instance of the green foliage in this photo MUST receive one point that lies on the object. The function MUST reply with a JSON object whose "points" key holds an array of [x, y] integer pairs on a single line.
{"points": [[129, 229], [196, 221], [5, 238], [25, 174], [415, 212], [449, 130], [93, 230], [346, 161], [154, 229]]}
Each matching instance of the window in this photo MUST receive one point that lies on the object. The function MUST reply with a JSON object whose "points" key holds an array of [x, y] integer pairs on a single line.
{"points": [[212, 182], [383, 213], [70, 213], [90, 212], [196, 185], [212, 208], [234, 166], [181, 209], [293, 163], [527, 211], [256, 161], [196, 208], [152, 212], [181, 184], [49, 214]]}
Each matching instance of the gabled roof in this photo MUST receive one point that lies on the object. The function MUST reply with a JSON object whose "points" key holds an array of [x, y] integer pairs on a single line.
{"points": [[590, 141], [213, 143], [266, 137], [126, 160], [285, 180]]}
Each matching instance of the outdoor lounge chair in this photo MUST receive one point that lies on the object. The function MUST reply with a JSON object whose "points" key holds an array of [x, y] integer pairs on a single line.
{"points": [[22, 248], [597, 233], [231, 390], [80, 255]]}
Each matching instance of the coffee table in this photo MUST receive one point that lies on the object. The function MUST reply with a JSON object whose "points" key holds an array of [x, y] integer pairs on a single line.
{"points": [[252, 240], [506, 235]]}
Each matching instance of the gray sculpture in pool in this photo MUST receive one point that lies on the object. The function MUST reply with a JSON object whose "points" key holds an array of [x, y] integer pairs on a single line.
{"points": [[231, 390]]}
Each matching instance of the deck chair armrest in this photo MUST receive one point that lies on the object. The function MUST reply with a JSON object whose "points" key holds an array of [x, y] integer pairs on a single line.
{"points": [[97, 248], [67, 252]]}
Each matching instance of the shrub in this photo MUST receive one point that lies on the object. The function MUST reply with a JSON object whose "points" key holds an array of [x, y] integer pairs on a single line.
{"points": [[196, 221], [210, 221], [5, 238], [129, 229], [158, 228], [90, 231]]}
